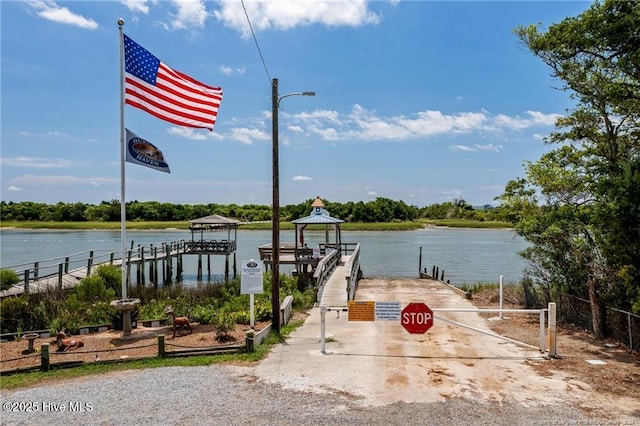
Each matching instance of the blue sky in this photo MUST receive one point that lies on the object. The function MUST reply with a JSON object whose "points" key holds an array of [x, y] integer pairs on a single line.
{"points": [[419, 101]]}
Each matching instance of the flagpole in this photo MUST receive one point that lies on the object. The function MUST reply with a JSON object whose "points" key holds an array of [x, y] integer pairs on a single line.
{"points": [[123, 208]]}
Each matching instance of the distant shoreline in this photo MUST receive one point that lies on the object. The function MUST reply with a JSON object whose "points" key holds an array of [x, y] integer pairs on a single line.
{"points": [[184, 225]]}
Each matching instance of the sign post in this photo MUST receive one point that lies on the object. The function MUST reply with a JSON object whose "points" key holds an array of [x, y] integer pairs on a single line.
{"points": [[251, 283], [416, 318]]}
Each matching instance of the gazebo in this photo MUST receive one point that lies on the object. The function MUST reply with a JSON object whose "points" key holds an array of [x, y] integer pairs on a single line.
{"points": [[319, 216], [299, 253], [200, 245]]}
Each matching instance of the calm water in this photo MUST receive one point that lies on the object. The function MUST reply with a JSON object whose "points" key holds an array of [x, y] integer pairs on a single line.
{"points": [[466, 255]]}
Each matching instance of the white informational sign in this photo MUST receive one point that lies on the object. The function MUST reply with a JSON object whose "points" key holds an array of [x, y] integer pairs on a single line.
{"points": [[388, 311], [251, 278]]}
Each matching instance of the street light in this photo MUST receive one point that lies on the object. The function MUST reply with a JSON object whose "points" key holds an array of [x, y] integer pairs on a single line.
{"points": [[275, 219]]}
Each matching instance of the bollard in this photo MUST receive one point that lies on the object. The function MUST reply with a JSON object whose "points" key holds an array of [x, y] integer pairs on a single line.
{"points": [[323, 311], [501, 296], [552, 330], [60, 266], [44, 357], [161, 348], [250, 341]]}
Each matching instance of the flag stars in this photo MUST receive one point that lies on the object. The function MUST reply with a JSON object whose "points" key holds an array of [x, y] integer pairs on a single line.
{"points": [[140, 62]]}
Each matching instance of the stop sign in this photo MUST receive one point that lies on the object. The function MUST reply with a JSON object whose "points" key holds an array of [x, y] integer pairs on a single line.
{"points": [[416, 318]]}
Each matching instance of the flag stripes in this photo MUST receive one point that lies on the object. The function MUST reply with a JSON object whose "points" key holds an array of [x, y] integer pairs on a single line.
{"points": [[168, 94]]}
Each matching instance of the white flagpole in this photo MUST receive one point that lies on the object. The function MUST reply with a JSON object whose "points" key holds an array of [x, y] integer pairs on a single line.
{"points": [[123, 208]]}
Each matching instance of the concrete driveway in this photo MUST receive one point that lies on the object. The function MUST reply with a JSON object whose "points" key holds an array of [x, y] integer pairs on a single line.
{"points": [[379, 362]]}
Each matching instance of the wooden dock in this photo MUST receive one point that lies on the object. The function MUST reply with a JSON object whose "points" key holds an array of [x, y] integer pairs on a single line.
{"points": [[153, 264]]}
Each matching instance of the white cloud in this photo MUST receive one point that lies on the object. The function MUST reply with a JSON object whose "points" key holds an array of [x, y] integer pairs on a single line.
{"points": [[190, 14], [288, 14], [39, 163], [477, 147], [364, 124], [247, 136], [299, 177], [372, 193], [538, 136], [452, 193], [226, 70], [14, 188], [51, 11], [56, 180], [187, 133], [136, 5], [535, 118], [295, 129]]}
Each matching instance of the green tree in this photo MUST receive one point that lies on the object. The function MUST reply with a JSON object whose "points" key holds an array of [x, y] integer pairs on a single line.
{"points": [[576, 204]]}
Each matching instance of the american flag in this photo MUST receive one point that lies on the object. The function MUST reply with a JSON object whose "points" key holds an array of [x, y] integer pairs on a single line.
{"points": [[166, 93]]}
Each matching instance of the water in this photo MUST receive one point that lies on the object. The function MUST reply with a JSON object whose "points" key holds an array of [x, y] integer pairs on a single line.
{"points": [[466, 255]]}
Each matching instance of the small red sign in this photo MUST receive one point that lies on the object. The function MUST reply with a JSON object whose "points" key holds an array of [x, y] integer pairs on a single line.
{"points": [[416, 318]]}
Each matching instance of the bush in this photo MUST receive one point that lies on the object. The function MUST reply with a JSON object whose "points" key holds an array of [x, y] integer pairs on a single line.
{"points": [[112, 277], [243, 317], [225, 324], [203, 315], [22, 313], [8, 278], [92, 289]]}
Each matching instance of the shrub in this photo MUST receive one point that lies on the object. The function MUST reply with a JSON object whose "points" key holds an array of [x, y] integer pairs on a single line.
{"points": [[22, 313], [203, 315], [93, 288], [8, 278], [112, 277], [243, 317], [154, 309], [225, 324]]}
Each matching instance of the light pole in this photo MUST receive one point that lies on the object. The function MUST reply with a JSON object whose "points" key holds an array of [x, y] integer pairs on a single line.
{"points": [[275, 215]]}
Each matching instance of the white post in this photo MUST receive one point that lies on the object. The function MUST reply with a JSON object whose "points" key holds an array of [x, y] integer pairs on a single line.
{"points": [[501, 296], [552, 330], [123, 209], [251, 310], [543, 343], [323, 311]]}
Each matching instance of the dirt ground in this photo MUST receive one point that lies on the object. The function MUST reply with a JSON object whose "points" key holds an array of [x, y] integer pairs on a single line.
{"points": [[579, 354], [110, 345]]}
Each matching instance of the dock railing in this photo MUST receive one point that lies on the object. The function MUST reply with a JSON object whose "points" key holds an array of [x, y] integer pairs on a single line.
{"points": [[354, 273], [328, 263], [81, 265]]}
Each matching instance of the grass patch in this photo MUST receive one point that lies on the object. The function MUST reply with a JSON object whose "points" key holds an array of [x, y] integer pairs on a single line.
{"points": [[263, 226], [94, 225], [23, 380], [465, 223], [349, 226]]}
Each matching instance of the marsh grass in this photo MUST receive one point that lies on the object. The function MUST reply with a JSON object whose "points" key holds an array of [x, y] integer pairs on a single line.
{"points": [[465, 223], [258, 226]]}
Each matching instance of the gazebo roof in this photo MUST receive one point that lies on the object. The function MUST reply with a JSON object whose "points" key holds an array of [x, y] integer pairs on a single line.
{"points": [[318, 215], [215, 219], [317, 219]]}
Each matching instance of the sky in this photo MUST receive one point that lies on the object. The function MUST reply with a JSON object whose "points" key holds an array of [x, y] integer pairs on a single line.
{"points": [[417, 101]]}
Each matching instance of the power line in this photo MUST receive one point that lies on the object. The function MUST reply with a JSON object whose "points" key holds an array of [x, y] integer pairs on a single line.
{"points": [[256, 41]]}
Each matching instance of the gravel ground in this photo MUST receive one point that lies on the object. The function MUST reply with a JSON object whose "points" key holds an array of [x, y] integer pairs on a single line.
{"points": [[230, 395]]}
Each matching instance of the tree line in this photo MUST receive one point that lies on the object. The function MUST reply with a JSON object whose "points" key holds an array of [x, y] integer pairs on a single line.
{"points": [[378, 210]]}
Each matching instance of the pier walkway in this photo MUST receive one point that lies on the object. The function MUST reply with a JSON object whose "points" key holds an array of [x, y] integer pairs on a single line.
{"points": [[335, 291]]}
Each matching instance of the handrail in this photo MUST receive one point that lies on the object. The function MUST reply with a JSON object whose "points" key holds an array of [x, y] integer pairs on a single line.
{"points": [[354, 272], [63, 265], [324, 269]]}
